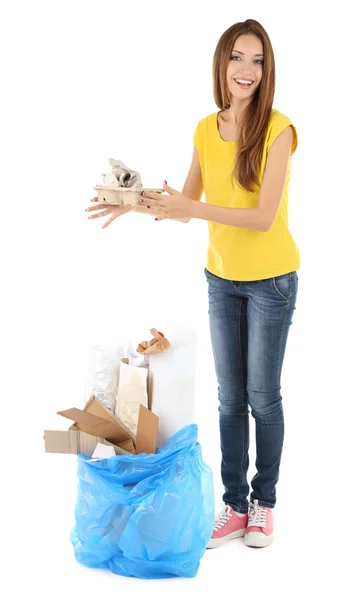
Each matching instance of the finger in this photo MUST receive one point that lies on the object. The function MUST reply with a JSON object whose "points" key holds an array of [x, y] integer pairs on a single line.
{"points": [[154, 195], [103, 213], [98, 207], [155, 202], [156, 208], [94, 199], [168, 189], [160, 218], [109, 221], [152, 205]]}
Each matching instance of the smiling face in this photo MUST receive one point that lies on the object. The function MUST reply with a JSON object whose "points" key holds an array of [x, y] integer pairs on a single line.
{"points": [[245, 65]]}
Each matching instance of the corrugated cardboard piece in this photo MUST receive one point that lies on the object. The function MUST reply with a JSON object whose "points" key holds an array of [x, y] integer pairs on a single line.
{"points": [[84, 421], [147, 429], [95, 423], [97, 420], [75, 442]]}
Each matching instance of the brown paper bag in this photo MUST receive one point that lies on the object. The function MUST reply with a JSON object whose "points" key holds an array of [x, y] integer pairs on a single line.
{"points": [[158, 343], [132, 393]]}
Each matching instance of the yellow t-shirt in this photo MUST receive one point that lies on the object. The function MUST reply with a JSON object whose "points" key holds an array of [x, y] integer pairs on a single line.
{"points": [[236, 253]]}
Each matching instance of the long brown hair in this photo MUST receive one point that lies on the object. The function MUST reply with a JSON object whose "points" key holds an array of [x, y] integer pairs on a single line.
{"points": [[253, 123]]}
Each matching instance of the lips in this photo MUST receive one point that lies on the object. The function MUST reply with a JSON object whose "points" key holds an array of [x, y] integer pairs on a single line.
{"points": [[243, 81]]}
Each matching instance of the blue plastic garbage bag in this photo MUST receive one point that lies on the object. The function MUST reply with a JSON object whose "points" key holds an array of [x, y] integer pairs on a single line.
{"points": [[146, 515]]}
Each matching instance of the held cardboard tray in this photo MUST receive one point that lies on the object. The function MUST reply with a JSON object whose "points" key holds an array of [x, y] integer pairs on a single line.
{"points": [[95, 423], [122, 196]]}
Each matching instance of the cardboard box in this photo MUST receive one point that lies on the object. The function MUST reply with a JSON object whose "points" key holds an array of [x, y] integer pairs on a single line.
{"points": [[95, 423]]}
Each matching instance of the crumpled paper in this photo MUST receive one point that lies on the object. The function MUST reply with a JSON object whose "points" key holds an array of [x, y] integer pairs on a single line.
{"points": [[121, 175], [157, 344]]}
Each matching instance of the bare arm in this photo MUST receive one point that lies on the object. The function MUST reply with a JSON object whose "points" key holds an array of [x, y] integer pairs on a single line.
{"points": [[193, 187], [262, 217]]}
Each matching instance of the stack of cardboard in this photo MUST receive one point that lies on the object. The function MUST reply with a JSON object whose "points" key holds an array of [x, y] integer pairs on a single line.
{"points": [[168, 390], [96, 424]]}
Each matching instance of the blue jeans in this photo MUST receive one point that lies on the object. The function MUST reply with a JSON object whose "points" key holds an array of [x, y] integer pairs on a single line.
{"points": [[249, 324]]}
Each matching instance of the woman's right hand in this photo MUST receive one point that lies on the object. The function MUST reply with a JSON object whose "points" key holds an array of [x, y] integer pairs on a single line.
{"points": [[115, 211]]}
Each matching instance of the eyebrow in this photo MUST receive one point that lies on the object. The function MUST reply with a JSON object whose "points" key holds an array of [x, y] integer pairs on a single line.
{"points": [[243, 53]]}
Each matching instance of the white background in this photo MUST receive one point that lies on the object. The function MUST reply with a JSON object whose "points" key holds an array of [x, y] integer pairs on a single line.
{"points": [[84, 81]]}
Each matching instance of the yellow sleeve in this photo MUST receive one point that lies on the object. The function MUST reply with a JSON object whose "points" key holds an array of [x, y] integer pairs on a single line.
{"points": [[195, 137], [277, 125]]}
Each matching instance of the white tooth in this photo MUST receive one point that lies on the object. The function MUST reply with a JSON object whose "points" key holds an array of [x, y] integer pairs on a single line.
{"points": [[243, 81]]}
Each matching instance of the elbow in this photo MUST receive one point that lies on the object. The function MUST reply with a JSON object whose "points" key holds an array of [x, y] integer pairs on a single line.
{"points": [[266, 223]]}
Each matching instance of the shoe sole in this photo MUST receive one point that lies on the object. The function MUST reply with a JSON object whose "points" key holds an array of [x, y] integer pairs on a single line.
{"points": [[216, 542], [255, 540]]}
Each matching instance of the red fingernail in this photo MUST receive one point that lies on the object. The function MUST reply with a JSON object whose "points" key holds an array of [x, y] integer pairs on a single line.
{"points": [[166, 181], [156, 219], [148, 207]]}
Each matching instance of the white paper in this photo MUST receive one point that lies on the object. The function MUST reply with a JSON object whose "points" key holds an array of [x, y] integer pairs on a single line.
{"points": [[103, 372], [172, 383], [102, 451], [121, 175], [135, 358]]}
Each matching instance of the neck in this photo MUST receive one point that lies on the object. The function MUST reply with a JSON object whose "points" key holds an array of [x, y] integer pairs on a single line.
{"points": [[236, 109]]}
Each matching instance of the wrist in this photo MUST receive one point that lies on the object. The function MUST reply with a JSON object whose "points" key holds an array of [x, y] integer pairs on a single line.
{"points": [[196, 209]]}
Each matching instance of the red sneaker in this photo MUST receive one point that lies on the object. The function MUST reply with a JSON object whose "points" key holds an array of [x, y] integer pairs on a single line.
{"points": [[259, 532], [228, 525]]}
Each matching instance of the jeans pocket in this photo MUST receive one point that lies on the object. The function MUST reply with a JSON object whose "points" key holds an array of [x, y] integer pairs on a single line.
{"points": [[210, 276], [281, 284]]}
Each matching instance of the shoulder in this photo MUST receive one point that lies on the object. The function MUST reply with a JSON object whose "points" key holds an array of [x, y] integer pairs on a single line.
{"points": [[203, 127], [277, 117], [278, 122], [205, 120], [208, 117]]}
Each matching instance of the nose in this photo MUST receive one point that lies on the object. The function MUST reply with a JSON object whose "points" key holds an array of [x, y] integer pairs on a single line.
{"points": [[244, 67]]}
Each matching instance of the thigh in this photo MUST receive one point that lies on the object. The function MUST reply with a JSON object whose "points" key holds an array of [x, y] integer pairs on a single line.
{"points": [[270, 309], [228, 332]]}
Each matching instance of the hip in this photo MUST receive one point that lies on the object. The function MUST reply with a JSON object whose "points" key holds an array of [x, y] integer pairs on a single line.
{"points": [[278, 291]]}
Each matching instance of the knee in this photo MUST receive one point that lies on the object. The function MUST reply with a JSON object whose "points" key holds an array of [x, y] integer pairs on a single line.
{"points": [[264, 402], [233, 402]]}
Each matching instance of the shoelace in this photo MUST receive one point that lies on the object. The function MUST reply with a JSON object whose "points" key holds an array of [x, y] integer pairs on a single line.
{"points": [[222, 518], [256, 515]]}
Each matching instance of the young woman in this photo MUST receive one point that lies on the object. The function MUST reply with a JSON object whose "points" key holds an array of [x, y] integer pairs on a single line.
{"points": [[242, 160]]}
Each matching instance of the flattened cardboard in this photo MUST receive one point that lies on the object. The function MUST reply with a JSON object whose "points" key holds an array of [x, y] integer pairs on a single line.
{"points": [[97, 426], [128, 446], [95, 407], [96, 420], [147, 429], [75, 442]]}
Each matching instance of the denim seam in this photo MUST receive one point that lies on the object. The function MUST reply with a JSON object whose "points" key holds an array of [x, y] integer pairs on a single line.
{"points": [[280, 341], [242, 423], [269, 504], [262, 503], [286, 300]]}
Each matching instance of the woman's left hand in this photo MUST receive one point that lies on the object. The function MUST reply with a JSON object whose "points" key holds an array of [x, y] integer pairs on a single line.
{"points": [[173, 206]]}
